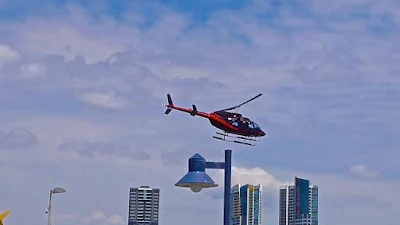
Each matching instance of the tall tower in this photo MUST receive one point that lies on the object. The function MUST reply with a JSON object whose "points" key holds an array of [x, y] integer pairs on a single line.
{"points": [[298, 203], [246, 205], [144, 206]]}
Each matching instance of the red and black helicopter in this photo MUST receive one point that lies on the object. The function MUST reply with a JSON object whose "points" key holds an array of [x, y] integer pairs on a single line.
{"points": [[229, 122]]}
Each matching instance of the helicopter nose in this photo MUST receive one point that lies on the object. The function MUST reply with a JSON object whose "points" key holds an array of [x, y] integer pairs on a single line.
{"points": [[262, 133]]}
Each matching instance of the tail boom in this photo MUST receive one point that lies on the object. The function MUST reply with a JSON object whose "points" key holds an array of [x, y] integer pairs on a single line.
{"points": [[192, 111]]}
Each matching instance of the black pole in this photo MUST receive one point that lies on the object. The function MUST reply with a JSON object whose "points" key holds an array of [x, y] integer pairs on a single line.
{"points": [[227, 186]]}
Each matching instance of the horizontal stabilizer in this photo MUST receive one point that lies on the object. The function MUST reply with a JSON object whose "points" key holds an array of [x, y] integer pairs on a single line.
{"points": [[168, 111], [194, 111]]}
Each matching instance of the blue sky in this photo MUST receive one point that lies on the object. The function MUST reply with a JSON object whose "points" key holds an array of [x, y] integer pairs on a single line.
{"points": [[82, 84]]}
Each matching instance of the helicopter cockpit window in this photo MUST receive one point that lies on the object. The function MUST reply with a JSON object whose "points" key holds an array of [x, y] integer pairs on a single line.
{"points": [[256, 126]]}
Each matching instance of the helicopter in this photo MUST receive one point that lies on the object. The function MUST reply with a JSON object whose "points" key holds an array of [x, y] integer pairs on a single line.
{"points": [[236, 128]]}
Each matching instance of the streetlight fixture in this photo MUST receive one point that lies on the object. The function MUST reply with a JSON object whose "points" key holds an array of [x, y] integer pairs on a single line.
{"points": [[57, 190], [197, 179]]}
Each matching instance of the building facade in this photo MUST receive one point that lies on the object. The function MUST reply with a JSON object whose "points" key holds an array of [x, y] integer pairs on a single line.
{"points": [[298, 203], [144, 206], [246, 205]]}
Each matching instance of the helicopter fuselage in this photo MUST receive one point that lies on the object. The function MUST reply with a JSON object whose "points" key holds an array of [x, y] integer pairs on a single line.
{"points": [[224, 120], [235, 123]]}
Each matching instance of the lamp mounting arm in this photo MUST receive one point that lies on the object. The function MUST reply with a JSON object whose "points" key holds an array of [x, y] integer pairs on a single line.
{"points": [[215, 165]]}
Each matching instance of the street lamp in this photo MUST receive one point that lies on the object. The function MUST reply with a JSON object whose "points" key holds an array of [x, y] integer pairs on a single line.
{"points": [[197, 179], [56, 190]]}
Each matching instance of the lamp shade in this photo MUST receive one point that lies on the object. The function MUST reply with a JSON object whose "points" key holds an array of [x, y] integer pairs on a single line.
{"points": [[58, 190], [196, 180]]}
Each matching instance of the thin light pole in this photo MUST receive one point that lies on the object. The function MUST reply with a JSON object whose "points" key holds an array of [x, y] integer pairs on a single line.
{"points": [[57, 190], [49, 209], [227, 186]]}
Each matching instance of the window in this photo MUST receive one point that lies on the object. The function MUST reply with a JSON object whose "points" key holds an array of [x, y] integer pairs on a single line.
{"points": [[256, 126], [233, 121]]}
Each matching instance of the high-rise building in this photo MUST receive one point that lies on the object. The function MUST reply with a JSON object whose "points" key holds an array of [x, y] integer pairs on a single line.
{"points": [[144, 206], [298, 203], [246, 205]]}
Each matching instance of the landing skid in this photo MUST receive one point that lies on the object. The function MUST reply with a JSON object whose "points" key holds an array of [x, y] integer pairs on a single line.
{"points": [[226, 135]]}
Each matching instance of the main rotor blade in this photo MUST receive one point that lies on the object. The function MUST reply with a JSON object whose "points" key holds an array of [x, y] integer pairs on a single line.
{"points": [[235, 107]]}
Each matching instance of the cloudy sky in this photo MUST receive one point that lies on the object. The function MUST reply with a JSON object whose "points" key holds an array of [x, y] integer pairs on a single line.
{"points": [[82, 85]]}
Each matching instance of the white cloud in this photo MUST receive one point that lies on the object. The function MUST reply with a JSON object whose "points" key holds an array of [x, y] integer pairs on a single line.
{"points": [[33, 70], [113, 220], [109, 100], [363, 170], [63, 217], [7, 55], [254, 176]]}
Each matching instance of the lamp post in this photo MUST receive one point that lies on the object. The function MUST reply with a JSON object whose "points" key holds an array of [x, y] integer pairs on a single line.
{"points": [[57, 190], [197, 179]]}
